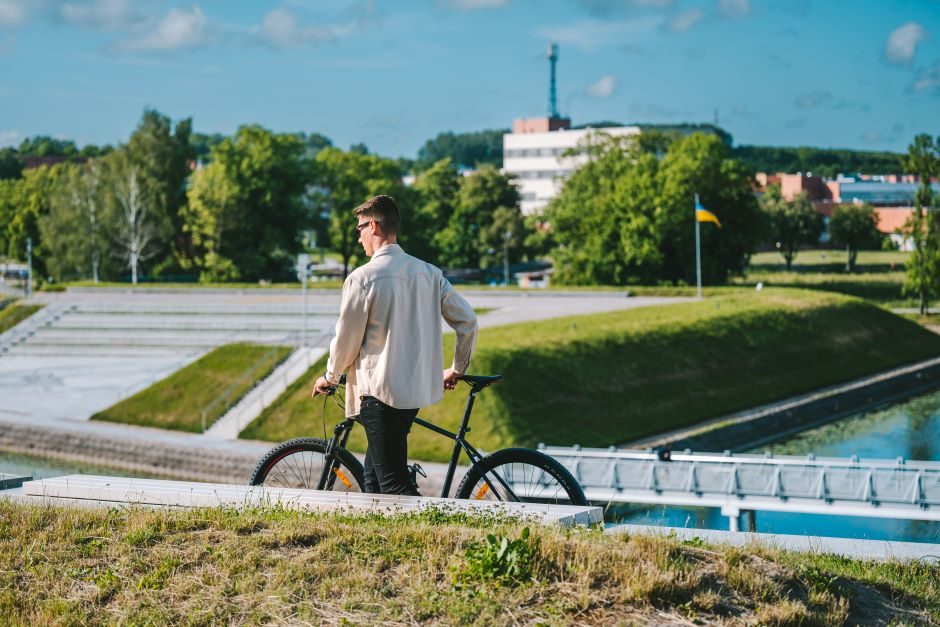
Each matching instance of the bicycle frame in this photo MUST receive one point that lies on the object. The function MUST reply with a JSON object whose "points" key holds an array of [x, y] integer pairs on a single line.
{"points": [[341, 435]]}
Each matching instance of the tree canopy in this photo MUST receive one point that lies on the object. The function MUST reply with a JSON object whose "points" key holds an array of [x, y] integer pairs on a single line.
{"points": [[791, 224], [627, 216], [465, 150], [826, 162], [856, 228]]}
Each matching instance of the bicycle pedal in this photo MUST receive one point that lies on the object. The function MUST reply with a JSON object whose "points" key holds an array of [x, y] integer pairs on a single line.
{"points": [[416, 470]]}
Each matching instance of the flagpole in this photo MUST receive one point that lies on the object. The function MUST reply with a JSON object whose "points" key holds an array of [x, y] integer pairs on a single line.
{"points": [[698, 251]]}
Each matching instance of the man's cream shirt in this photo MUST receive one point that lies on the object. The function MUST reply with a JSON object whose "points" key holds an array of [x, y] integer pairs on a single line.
{"points": [[388, 336]]}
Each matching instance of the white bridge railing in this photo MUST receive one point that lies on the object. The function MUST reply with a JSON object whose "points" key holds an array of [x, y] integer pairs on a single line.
{"points": [[746, 483]]}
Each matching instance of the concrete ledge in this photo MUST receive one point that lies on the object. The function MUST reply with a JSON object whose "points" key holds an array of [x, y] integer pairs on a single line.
{"points": [[107, 491], [876, 550], [8, 482]]}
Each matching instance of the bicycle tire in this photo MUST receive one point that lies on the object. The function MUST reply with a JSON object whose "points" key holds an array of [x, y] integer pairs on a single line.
{"points": [[533, 476], [298, 463]]}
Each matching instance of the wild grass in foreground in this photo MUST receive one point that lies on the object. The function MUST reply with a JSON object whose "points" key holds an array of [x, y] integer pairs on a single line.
{"points": [[199, 394], [211, 566], [610, 378], [12, 315]]}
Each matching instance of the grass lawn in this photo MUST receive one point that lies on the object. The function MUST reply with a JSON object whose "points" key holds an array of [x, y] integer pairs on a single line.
{"points": [[832, 260], [610, 378], [78, 566], [199, 394], [12, 315]]}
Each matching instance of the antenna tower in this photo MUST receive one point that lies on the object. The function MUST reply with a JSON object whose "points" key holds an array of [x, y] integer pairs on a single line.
{"points": [[552, 96]]}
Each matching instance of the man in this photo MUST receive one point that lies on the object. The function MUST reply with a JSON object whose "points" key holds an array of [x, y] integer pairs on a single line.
{"points": [[389, 338]]}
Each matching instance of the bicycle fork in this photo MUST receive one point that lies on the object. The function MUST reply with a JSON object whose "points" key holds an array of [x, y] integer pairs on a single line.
{"points": [[331, 470]]}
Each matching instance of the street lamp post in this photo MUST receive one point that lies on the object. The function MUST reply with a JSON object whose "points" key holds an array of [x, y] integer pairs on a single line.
{"points": [[506, 237], [303, 269], [29, 267]]}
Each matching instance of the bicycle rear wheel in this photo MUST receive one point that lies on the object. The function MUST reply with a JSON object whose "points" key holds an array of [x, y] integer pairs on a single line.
{"points": [[298, 463], [521, 474]]}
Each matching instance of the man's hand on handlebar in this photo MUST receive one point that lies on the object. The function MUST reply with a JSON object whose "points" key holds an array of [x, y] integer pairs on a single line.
{"points": [[451, 377], [322, 386]]}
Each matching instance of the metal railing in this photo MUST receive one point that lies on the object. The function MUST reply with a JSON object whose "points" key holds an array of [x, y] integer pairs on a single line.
{"points": [[880, 488]]}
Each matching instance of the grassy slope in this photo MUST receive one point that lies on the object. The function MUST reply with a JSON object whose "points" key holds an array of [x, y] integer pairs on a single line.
{"points": [[15, 314], [213, 566], [604, 379], [212, 384]]}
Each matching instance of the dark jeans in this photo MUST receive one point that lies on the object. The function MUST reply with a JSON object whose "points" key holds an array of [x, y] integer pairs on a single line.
{"points": [[387, 456]]}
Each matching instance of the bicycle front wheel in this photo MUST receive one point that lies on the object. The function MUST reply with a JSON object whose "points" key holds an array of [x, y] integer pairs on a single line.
{"points": [[298, 463], [521, 474]]}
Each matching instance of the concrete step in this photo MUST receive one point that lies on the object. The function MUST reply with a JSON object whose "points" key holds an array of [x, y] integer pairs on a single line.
{"points": [[206, 309], [119, 337], [186, 325], [107, 491], [56, 350]]}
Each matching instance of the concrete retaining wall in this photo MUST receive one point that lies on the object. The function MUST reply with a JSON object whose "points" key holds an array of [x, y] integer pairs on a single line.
{"points": [[772, 423], [133, 454]]}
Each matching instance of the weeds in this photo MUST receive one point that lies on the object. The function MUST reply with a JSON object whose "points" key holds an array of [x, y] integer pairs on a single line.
{"points": [[210, 566]]}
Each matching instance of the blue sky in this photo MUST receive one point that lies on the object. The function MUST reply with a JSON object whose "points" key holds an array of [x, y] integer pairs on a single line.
{"points": [[858, 74]]}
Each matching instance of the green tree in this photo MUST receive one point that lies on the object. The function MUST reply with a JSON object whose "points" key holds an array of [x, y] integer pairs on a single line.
{"points": [[856, 228], [923, 159], [342, 181], [209, 218], [472, 229], [792, 224], [76, 223], [161, 156], [436, 191], [10, 165], [628, 215], [465, 150], [45, 146], [245, 209], [25, 202]]}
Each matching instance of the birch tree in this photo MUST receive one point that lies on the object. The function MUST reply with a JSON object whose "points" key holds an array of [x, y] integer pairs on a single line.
{"points": [[134, 230]]}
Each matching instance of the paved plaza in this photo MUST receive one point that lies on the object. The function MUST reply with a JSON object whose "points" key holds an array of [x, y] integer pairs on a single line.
{"points": [[104, 345]]}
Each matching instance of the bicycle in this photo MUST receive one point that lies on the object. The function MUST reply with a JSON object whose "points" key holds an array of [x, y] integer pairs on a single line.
{"points": [[511, 474]]}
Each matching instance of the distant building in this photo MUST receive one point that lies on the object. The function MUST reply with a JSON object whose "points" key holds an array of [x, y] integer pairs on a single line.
{"points": [[534, 151], [891, 196]]}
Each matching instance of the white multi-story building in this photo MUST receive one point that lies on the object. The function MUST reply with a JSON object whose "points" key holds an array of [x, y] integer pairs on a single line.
{"points": [[533, 153]]}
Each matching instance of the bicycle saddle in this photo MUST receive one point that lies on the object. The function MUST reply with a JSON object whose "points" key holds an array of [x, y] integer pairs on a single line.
{"points": [[478, 382]]}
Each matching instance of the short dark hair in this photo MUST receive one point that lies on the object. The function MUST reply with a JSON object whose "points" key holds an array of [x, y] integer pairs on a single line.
{"points": [[383, 210]]}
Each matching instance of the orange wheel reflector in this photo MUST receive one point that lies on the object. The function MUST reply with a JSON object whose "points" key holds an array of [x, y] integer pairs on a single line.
{"points": [[342, 477], [482, 491]]}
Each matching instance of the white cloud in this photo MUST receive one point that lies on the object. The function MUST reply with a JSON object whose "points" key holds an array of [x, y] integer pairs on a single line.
{"points": [[280, 29], [181, 28], [12, 13], [604, 87], [593, 34], [734, 8], [871, 137], [902, 43], [472, 5], [101, 14], [684, 21], [10, 138], [928, 79]]}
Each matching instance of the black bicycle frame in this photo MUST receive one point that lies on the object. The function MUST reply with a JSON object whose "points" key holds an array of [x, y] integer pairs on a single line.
{"points": [[341, 435]]}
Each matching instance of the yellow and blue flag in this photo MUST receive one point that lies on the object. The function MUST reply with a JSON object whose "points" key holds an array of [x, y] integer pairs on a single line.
{"points": [[704, 215]]}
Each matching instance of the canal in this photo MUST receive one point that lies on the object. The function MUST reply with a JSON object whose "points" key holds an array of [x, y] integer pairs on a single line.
{"points": [[910, 429]]}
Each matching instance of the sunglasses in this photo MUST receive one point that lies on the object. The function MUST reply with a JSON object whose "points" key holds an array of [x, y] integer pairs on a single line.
{"points": [[359, 227]]}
